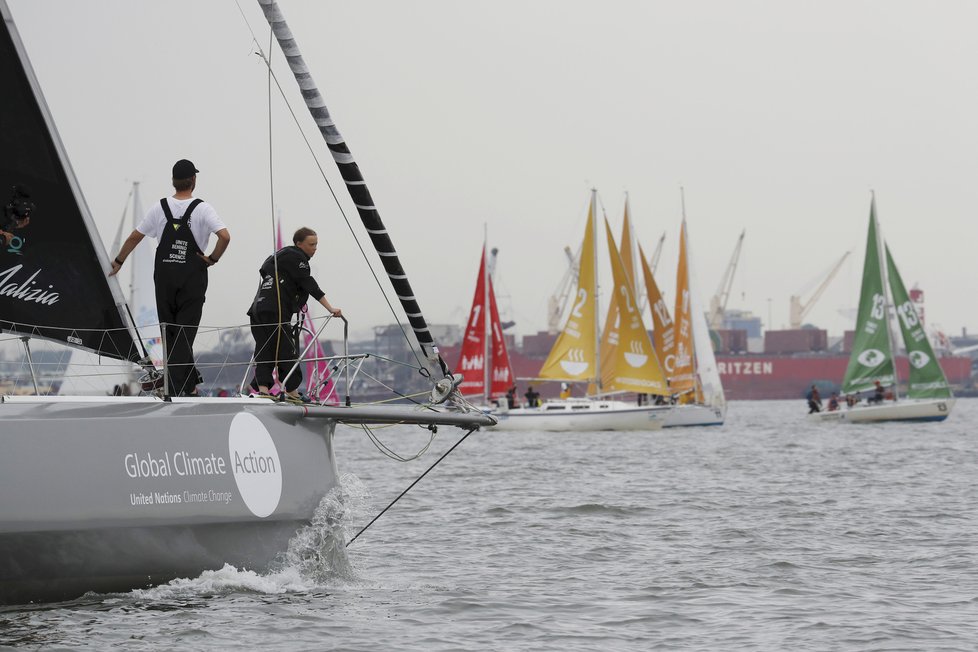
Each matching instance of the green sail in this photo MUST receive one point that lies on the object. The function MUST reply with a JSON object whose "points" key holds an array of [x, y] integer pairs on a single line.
{"points": [[927, 379], [872, 355]]}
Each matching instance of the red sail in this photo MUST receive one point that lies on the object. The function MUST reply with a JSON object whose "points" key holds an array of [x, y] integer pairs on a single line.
{"points": [[473, 354], [502, 373]]}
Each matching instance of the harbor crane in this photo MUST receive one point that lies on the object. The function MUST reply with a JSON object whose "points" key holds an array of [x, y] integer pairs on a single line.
{"points": [[718, 303], [798, 310], [557, 301]]}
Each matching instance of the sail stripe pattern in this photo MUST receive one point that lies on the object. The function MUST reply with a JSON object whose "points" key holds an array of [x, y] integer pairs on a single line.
{"points": [[351, 174]]}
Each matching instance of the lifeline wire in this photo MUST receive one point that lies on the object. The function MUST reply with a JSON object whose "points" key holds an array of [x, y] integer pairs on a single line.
{"points": [[471, 430]]}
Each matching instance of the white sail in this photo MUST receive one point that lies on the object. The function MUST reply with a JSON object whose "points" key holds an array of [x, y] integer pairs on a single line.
{"points": [[707, 370]]}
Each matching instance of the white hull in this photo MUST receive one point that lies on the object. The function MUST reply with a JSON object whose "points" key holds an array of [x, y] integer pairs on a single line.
{"points": [[678, 416], [110, 494], [906, 410], [581, 415]]}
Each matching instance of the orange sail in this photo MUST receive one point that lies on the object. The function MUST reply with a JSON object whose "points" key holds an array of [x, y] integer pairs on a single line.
{"points": [[573, 354], [663, 328], [634, 366], [612, 322], [683, 376]]}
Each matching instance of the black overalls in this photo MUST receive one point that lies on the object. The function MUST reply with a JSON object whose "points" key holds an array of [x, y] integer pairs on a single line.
{"points": [[276, 342], [181, 281]]}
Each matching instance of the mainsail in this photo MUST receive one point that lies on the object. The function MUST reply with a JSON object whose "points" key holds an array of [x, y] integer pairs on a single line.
{"points": [[663, 328], [500, 370], [573, 354], [612, 322], [927, 379], [709, 389], [683, 376], [872, 352], [483, 357], [634, 367], [53, 267]]}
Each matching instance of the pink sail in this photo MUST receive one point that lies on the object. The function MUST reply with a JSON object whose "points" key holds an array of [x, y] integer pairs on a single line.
{"points": [[319, 385]]}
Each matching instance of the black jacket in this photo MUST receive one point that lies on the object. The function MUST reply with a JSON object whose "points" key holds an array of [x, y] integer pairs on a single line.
{"points": [[295, 282]]}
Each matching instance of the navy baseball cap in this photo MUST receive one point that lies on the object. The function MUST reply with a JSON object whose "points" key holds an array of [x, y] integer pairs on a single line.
{"points": [[184, 169]]}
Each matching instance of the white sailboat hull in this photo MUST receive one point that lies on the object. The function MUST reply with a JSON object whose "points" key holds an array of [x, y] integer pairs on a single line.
{"points": [[581, 415], [678, 416], [110, 494], [906, 410]]}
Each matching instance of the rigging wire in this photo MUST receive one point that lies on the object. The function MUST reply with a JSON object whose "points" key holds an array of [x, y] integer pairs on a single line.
{"points": [[312, 152], [411, 486]]}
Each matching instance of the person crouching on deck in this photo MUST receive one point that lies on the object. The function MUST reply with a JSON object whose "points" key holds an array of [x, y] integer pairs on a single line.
{"points": [[273, 307]]}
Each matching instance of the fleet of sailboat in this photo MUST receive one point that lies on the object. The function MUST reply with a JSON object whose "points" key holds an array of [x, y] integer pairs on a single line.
{"points": [[675, 365], [928, 397]]}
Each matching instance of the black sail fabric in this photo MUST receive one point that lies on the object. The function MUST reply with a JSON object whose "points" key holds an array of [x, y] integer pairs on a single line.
{"points": [[52, 280]]}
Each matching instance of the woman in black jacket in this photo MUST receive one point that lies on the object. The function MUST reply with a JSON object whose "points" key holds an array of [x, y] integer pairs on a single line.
{"points": [[286, 285]]}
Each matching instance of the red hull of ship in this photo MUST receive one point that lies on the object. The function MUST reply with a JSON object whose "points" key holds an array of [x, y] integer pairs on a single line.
{"points": [[748, 377]]}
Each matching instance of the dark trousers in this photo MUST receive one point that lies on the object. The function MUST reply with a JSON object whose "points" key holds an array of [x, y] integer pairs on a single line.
{"points": [[275, 348], [180, 304]]}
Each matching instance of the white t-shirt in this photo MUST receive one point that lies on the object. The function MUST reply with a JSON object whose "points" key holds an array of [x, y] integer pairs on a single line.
{"points": [[203, 221]]}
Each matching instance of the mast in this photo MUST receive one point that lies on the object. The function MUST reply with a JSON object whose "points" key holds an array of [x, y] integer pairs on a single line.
{"points": [[354, 181], [486, 318], [685, 245], [886, 294], [597, 326]]}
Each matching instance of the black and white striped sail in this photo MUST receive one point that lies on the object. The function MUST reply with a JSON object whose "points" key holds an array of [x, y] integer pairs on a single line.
{"points": [[53, 268], [355, 183]]}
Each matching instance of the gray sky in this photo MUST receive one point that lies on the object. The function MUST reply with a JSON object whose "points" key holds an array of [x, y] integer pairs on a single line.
{"points": [[777, 117]]}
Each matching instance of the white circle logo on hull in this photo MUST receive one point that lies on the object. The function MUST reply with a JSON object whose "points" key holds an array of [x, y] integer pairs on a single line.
{"points": [[255, 463]]}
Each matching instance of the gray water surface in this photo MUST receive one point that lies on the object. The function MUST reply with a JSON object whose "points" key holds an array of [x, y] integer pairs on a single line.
{"points": [[767, 533]]}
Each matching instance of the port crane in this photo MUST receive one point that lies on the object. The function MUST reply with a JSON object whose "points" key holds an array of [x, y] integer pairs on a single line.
{"points": [[718, 303], [798, 310], [557, 300]]}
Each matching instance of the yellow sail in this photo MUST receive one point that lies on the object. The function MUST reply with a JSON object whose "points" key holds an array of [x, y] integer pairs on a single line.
{"points": [[609, 338], [635, 367], [663, 328], [683, 375], [573, 354]]}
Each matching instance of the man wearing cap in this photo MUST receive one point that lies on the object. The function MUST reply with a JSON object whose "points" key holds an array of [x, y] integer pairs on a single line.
{"points": [[183, 226]]}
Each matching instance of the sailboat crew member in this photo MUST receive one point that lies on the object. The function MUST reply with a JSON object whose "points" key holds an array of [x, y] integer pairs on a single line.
{"points": [[183, 226], [274, 305]]}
